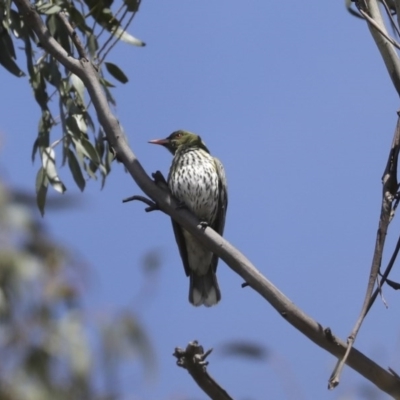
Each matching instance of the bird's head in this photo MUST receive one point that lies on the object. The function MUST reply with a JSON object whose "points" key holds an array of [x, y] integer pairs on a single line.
{"points": [[181, 139]]}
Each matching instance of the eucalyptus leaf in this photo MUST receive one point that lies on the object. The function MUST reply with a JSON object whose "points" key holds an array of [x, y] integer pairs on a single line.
{"points": [[73, 127], [132, 5], [92, 45], [78, 19], [49, 165], [79, 87], [127, 38], [7, 54], [116, 72], [41, 189], [15, 24], [52, 9], [86, 148], [76, 170]]}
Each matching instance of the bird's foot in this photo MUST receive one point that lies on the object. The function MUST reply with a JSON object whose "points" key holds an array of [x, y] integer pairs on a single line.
{"points": [[159, 178], [181, 205], [203, 224], [152, 206]]}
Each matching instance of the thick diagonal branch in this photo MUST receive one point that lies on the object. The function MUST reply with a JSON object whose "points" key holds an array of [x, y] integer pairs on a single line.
{"points": [[218, 245]]}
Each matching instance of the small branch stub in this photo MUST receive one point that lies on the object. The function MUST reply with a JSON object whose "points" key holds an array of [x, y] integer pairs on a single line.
{"points": [[193, 359]]}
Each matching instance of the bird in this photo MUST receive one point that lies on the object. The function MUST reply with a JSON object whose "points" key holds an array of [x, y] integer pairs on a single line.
{"points": [[197, 180]]}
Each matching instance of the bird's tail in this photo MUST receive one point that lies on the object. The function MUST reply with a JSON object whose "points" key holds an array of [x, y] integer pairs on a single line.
{"points": [[204, 289]]}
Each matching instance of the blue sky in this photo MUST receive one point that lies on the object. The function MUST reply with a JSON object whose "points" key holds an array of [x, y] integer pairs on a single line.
{"points": [[294, 98]]}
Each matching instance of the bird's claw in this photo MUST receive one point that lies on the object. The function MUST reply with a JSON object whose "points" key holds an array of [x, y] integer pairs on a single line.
{"points": [[203, 224], [181, 205], [159, 178]]}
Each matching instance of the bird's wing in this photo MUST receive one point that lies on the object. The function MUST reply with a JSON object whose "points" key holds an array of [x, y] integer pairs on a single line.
{"points": [[180, 241], [219, 223]]}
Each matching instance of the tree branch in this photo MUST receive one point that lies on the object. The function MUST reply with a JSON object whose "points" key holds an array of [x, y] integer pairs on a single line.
{"points": [[370, 10], [389, 181], [386, 48], [193, 360], [218, 245]]}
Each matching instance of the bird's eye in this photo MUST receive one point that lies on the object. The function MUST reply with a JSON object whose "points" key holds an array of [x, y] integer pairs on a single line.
{"points": [[178, 135]]}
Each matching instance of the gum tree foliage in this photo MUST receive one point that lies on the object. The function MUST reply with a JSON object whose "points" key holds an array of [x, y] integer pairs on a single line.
{"points": [[66, 128], [50, 348]]}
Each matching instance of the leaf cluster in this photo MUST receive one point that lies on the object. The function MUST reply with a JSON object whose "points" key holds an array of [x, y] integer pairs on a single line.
{"points": [[66, 129], [49, 348]]}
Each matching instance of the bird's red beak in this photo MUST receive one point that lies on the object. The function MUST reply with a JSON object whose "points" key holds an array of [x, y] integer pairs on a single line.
{"points": [[159, 141]]}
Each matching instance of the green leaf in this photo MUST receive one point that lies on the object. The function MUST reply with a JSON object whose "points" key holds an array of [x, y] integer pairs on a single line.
{"points": [[126, 37], [88, 120], [39, 88], [92, 45], [90, 151], [132, 5], [35, 149], [49, 9], [76, 170], [73, 127], [78, 20], [42, 141], [245, 349], [51, 72], [116, 72], [86, 148], [71, 105], [101, 13], [41, 189], [89, 171], [106, 83], [49, 165], [15, 24], [7, 54], [79, 87], [59, 32]]}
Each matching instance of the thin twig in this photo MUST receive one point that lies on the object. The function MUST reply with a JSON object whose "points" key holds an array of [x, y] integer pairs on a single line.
{"points": [[390, 15], [72, 33], [117, 38], [152, 206], [390, 185], [105, 44], [385, 274], [114, 17], [378, 28], [387, 50], [193, 360]]}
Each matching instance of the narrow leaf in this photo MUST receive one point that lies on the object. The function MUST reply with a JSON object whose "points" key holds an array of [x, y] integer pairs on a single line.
{"points": [[127, 38], [41, 189], [84, 147], [116, 72], [92, 45], [76, 170], [49, 165], [132, 5], [79, 87], [7, 55]]}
